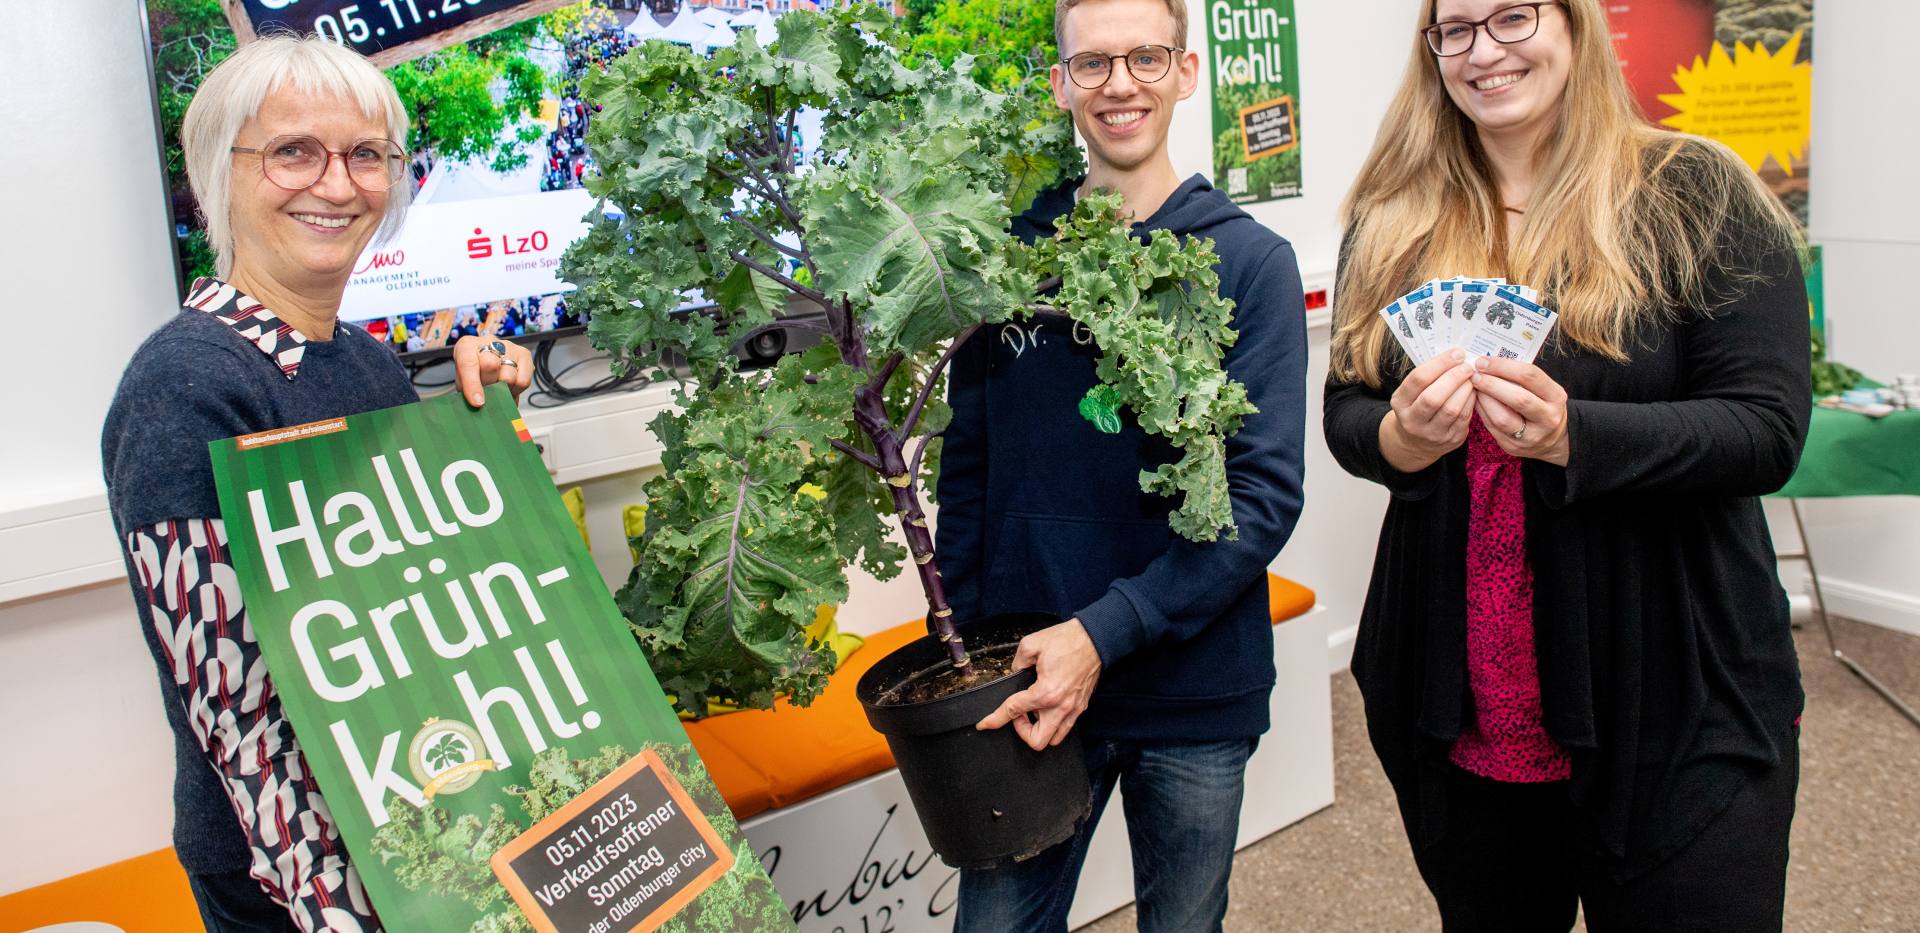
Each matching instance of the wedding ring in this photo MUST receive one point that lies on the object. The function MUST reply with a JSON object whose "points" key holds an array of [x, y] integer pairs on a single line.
{"points": [[1518, 434]]}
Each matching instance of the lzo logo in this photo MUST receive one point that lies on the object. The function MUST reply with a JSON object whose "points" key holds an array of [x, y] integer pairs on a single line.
{"points": [[445, 757]]}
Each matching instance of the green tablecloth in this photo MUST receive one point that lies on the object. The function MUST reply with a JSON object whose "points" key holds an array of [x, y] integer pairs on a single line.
{"points": [[1850, 454]]}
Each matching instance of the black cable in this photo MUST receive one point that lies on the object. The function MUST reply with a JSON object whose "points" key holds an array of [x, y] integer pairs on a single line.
{"points": [[551, 391], [415, 372]]}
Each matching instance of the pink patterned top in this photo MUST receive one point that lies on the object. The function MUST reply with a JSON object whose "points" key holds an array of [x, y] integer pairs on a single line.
{"points": [[1506, 740]]}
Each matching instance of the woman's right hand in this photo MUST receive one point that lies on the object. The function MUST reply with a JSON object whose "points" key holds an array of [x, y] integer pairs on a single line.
{"points": [[1431, 412]]}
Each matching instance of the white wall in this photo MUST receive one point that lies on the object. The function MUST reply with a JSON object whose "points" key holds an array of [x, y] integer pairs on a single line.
{"points": [[89, 764], [91, 270], [1351, 54], [86, 745]]}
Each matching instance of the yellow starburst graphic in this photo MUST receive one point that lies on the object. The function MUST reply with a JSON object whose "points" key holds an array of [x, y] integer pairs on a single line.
{"points": [[1759, 103]]}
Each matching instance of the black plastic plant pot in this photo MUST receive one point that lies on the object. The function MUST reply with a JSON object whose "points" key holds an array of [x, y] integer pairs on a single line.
{"points": [[985, 799]]}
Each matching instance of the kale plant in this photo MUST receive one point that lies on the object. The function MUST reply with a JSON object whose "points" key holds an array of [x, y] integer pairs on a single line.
{"points": [[897, 234]]}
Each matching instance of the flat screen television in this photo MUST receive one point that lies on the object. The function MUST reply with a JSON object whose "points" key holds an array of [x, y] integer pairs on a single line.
{"points": [[498, 145]]}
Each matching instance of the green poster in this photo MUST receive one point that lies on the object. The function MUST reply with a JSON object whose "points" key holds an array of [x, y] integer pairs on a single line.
{"points": [[1255, 62], [1816, 290], [466, 693]]}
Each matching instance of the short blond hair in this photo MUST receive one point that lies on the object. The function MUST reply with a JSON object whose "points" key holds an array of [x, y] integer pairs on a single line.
{"points": [[232, 94], [1175, 8]]}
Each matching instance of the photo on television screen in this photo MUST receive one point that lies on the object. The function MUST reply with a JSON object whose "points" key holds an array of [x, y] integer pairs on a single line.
{"points": [[498, 141]]}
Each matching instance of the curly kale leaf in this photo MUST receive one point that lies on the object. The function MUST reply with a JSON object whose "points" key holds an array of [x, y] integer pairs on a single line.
{"points": [[803, 60], [735, 560], [855, 500], [1830, 377], [909, 236], [667, 221], [1034, 143], [1163, 330]]}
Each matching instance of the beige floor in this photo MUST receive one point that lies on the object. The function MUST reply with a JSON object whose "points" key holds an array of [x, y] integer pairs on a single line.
{"points": [[1856, 836]]}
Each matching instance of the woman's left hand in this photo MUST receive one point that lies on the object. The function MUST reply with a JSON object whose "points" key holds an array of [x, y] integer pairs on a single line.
{"points": [[1524, 409], [479, 362]]}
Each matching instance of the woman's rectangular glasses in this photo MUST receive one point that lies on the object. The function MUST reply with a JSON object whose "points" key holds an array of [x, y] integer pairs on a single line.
{"points": [[1506, 26]]}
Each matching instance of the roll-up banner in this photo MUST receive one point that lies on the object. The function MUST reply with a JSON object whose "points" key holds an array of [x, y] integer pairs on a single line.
{"points": [[490, 741]]}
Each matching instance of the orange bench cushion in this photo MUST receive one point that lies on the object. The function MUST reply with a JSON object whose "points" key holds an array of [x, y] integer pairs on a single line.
{"points": [[148, 892], [804, 752], [747, 790], [1287, 599]]}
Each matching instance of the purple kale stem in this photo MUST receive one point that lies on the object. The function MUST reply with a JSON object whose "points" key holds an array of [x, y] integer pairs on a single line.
{"points": [[870, 413], [760, 233], [859, 456], [813, 295], [933, 379], [887, 369]]}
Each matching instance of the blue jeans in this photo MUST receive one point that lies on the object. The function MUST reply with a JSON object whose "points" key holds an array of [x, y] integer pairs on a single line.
{"points": [[1182, 801]]}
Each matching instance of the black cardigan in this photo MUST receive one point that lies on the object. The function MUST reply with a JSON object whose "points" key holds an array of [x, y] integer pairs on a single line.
{"points": [[1666, 659]]}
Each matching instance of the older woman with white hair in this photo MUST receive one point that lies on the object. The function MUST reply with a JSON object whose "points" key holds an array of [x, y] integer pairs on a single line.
{"points": [[295, 149]]}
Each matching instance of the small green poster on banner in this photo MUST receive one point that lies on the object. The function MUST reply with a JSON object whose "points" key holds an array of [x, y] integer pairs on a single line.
{"points": [[491, 743], [1255, 61], [1816, 273]]}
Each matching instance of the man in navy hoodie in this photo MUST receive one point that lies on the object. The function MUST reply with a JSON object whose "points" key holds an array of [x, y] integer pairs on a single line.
{"points": [[1166, 661]]}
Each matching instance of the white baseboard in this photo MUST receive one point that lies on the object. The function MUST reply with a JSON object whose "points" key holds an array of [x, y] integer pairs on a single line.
{"points": [[1863, 603], [1340, 648]]}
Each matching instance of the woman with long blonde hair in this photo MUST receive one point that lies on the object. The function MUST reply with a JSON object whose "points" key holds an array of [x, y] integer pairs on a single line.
{"points": [[1576, 658]]}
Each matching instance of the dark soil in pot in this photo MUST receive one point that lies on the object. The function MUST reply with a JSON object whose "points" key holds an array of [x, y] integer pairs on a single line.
{"points": [[984, 798], [943, 679]]}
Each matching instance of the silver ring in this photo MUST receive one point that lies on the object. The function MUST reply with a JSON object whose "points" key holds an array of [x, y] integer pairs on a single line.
{"points": [[499, 347], [1517, 434], [505, 361]]}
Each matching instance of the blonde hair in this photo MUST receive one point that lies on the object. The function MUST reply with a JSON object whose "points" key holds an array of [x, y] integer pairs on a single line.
{"points": [[1175, 8], [232, 94], [1624, 224]]}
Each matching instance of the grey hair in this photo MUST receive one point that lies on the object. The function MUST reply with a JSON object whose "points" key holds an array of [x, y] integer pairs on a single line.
{"points": [[232, 94]]}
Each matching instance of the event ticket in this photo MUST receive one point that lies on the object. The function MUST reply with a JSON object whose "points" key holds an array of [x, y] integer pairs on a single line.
{"points": [[1423, 306], [1485, 317], [1512, 327], [1397, 319]]}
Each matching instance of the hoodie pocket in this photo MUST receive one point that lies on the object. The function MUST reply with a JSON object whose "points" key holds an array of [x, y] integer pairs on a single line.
{"points": [[1060, 564]]}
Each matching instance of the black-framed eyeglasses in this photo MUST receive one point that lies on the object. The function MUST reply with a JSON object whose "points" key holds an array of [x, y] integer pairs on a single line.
{"points": [[1147, 64], [1506, 26], [297, 163]]}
